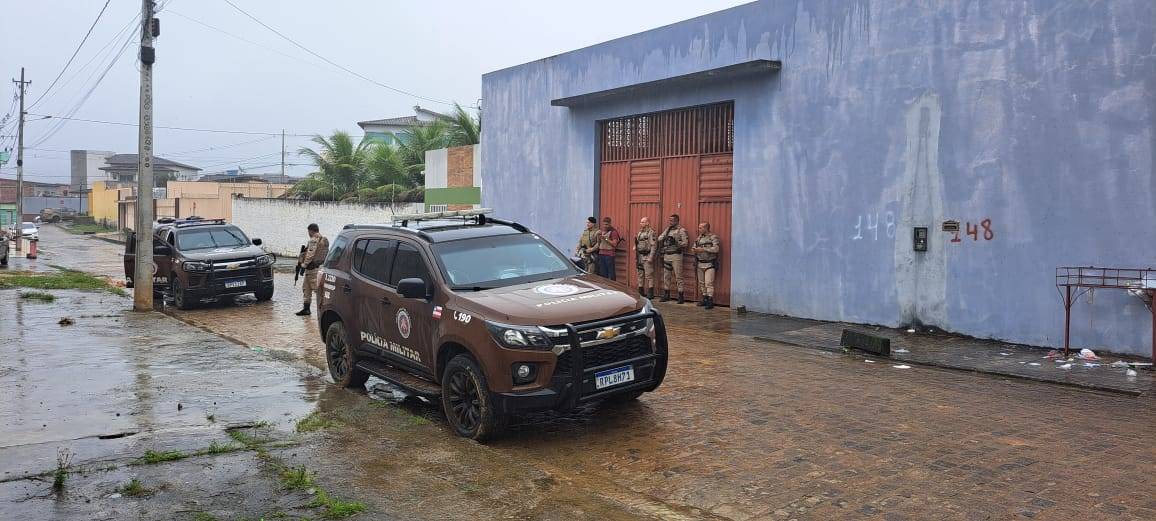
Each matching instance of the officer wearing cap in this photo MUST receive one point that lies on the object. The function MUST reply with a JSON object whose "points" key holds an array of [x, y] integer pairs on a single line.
{"points": [[588, 245], [315, 252]]}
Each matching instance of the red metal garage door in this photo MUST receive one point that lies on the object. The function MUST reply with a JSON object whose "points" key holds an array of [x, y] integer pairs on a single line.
{"points": [[678, 161]]}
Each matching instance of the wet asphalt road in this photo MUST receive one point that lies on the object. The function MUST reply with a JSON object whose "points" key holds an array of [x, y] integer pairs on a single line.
{"points": [[742, 429]]}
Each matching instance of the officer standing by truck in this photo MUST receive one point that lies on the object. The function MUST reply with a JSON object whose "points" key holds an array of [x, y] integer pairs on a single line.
{"points": [[588, 245], [706, 250], [315, 252], [672, 242], [644, 246]]}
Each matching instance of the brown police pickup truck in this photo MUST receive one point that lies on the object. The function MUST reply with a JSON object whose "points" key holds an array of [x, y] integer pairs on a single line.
{"points": [[484, 315], [204, 259]]}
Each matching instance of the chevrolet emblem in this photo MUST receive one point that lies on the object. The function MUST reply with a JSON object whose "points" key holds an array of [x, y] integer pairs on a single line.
{"points": [[233, 266], [607, 333]]}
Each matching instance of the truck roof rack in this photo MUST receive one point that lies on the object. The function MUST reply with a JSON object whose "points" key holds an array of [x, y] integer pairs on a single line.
{"points": [[479, 216], [188, 222]]}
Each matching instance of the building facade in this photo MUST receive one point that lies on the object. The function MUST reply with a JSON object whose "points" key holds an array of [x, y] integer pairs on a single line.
{"points": [[388, 130], [452, 178], [86, 168], [829, 140], [122, 168]]}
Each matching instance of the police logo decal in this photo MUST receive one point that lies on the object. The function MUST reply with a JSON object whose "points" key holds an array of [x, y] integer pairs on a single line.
{"points": [[557, 290], [404, 326]]}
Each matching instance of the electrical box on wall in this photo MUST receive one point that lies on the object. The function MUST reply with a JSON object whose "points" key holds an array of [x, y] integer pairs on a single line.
{"points": [[920, 239]]}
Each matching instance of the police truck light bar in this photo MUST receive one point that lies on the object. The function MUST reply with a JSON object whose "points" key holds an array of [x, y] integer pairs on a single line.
{"points": [[427, 216]]}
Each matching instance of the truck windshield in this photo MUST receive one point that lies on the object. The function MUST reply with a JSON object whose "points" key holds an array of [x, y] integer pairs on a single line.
{"points": [[210, 238], [493, 262]]}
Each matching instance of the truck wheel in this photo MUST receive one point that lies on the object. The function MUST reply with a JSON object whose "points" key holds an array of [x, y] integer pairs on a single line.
{"points": [[467, 402], [180, 299], [264, 293], [340, 358]]}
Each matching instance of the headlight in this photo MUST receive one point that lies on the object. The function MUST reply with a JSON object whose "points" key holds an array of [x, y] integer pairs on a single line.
{"points": [[648, 308], [265, 260], [195, 266], [519, 337]]}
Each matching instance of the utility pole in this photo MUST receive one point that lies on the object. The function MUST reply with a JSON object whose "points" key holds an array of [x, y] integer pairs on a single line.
{"points": [[282, 155], [144, 267], [20, 162]]}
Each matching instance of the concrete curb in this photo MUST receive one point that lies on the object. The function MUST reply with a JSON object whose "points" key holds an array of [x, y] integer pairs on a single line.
{"points": [[941, 365]]}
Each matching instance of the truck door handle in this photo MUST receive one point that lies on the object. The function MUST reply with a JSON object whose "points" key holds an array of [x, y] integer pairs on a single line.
{"points": [[385, 301], [346, 289]]}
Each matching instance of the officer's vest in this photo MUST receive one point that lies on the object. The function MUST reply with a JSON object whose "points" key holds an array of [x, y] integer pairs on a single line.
{"points": [[642, 241], [670, 242], [705, 256]]}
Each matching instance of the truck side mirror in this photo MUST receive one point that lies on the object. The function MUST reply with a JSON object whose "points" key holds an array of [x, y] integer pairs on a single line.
{"points": [[413, 288], [256, 242], [162, 249]]}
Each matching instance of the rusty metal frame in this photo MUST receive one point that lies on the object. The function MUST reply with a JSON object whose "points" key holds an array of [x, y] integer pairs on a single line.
{"points": [[1087, 279]]}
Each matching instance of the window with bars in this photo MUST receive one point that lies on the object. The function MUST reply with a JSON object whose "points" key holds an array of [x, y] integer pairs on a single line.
{"points": [[708, 129]]}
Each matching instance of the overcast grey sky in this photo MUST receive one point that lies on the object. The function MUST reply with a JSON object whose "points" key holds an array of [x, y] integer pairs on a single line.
{"points": [[252, 80]]}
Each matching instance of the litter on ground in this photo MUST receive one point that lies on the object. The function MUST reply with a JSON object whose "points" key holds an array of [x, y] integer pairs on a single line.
{"points": [[1005, 354], [1120, 364], [1034, 363], [1066, 366], [1088, 354], [868, 361], [901, 366], [1130, 372], [900, 350]]}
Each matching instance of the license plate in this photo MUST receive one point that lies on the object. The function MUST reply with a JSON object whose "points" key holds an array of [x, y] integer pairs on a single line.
{"points": [[234, 284], [612, 377]]}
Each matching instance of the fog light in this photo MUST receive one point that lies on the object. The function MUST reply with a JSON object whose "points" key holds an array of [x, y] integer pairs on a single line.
{"points": [[524, 373]]}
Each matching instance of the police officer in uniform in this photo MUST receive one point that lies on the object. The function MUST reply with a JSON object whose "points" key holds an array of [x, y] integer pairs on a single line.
{"points": [[706, 250], [315, 252], [644, 247], [672, 243], [588, 245]]}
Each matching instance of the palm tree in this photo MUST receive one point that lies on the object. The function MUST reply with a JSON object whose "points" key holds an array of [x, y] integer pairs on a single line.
{"points": [[341, 164], [414, 142], [386, 166], [464, 128]]}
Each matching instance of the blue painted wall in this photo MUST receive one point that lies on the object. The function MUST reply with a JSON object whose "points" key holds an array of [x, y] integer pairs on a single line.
{"points": [[1037, 115]]}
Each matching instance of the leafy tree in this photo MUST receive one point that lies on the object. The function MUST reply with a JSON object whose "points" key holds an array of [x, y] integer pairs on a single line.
{"points": [[464, 128], [341, 164]]}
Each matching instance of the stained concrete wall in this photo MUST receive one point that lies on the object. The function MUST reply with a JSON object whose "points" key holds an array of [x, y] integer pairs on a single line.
{"points": [[281, 223], [1032, 117]]}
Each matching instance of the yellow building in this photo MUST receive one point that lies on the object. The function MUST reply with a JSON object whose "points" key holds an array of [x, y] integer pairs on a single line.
{"points": [[208, 200]]}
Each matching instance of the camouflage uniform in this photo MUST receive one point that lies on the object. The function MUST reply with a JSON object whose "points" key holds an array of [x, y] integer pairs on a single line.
{"points": [[707, 266], [645, 244], [315, 252], [671, 244], [587, 246]]}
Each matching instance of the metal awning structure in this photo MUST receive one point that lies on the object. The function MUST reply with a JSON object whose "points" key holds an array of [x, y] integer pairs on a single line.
{"points": [[728, 73]]}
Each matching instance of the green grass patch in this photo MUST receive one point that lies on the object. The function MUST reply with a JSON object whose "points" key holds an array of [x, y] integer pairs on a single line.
{"points": [[63, 279], [335, 508], [38, 295], [86, 228], [244, 438], [221, 448], [134, 488], [151, 456], [297, 478], [315, 422]]}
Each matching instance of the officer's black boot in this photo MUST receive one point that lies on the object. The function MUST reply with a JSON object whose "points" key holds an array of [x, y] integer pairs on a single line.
{"points": [[666, 296], [681, 299], [650, 294], [701, 302], [709, 302], [304, 311]]}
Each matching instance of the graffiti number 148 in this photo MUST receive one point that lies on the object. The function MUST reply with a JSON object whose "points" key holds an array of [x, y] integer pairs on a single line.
{"points": [[974, 231]]}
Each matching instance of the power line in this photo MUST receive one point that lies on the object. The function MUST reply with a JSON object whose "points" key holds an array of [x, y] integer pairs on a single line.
{"points": [[109, 44], [221, 147], [74, 53], [246, 40], [331, 62], [188, 129]]}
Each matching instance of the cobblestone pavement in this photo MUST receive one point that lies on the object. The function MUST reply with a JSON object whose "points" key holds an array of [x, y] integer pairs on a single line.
{"points": [[744, 429]]}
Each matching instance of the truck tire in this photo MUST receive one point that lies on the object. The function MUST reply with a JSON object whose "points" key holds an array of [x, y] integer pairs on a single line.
{"points": [[467, 402], [180, 298], [264, 293], [340, 358]]}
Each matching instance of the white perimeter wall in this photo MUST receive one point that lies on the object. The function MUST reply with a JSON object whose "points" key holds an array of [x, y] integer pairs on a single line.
{"points": [[281, 223]]}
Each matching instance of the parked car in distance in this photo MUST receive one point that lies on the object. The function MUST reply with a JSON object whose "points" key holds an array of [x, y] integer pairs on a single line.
{"points": [[4, 238], [29, 231], [198, 260]]}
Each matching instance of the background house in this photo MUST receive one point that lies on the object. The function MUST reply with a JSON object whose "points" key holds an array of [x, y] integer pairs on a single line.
{"points": [[386, 129], [122, 168], [820, 137]]}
